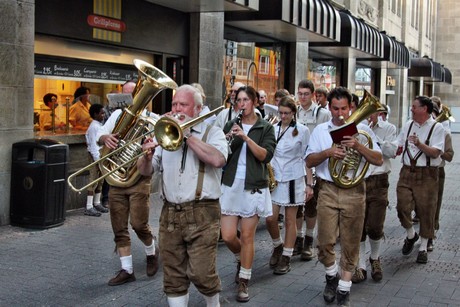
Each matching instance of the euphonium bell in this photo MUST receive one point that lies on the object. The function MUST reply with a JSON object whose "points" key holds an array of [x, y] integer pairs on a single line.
{"points": [[445, 114], [347, 173]]}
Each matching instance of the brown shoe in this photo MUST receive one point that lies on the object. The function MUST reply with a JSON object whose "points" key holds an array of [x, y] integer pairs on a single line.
{"points": [[284, 266], [298, 246], [276, 255], [307, 251], [376, 273], [359, 275], [243, 294], [152, 263], [122, 278]]}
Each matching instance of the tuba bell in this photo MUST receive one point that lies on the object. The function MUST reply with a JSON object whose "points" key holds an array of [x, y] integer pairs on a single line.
{"points": [[445, 114], [347, 173]]}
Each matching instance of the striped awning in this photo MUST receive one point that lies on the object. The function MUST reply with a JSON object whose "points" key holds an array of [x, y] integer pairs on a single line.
{"points": [[358, 40], [285, 21], [446, 75], [425, 68], [395, 53]]}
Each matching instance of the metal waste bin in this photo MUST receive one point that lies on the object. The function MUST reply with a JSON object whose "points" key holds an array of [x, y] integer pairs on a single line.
{"points": [[38, 183]]}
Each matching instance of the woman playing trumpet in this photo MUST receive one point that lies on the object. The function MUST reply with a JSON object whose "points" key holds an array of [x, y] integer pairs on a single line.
{"points": [[245, 184]]}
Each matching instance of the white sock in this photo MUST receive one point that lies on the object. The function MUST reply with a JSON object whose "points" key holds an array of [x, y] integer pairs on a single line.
{"points": [[89, 202], [178, 301], [212, 301], [288, 251], [277, 242], [362, 255], [375, 248], [245, 273], [150, 250], [127, 263], [423, 244], [300, 233], [410, 233], [344, 286], [332, 270], [309, 232], [97, 198]]}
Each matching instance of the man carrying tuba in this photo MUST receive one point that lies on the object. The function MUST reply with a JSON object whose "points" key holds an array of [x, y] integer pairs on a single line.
{"points": [[340, 208]]}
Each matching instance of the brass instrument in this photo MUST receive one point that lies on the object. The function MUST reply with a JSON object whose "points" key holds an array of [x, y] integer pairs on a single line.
{"points": [[170, 134], [119, 167], [272, 183], [340, 169], [445, 114]]}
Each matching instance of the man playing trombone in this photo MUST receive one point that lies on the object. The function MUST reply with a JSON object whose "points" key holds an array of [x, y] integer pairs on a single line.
{"points": [[190, 218]]}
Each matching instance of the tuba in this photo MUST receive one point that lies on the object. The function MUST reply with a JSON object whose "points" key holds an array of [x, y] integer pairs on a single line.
{"points": [[347, 173], [119, 167], [445, 114]]}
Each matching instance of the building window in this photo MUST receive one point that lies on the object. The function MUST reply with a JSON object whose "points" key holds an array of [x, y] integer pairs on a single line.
{"points": [[242, 68], [395, 7], [429, 20], [264, 65]]}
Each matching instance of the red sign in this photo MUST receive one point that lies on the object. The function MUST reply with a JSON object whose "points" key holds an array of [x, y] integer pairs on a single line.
{"points": [[106, 23]]}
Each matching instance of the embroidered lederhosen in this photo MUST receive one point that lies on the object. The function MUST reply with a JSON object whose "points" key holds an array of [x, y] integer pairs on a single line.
{"points": [[413, 160]]}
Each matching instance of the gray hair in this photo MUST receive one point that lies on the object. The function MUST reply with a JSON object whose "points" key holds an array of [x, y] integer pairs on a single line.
{"points": [[196, 93]]}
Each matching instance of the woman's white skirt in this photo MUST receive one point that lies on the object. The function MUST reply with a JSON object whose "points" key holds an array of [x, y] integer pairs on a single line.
{"points": [[280, 196], [235, 200]]}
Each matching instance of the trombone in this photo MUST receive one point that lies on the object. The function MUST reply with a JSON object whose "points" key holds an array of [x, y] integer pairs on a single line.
{"points": [[169, 135]]}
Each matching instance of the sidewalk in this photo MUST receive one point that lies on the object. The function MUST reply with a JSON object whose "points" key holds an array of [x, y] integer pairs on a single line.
{"points": [[71, 264]]}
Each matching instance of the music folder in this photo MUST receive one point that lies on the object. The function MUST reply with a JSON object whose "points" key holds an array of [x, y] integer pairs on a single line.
{"points": [[339, 133]]}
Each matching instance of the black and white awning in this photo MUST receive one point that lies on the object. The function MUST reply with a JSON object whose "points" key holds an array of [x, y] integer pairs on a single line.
{"points": [[425, 68]]}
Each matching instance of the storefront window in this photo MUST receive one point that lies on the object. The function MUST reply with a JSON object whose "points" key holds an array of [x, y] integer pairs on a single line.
{"points": [[322, 75]]}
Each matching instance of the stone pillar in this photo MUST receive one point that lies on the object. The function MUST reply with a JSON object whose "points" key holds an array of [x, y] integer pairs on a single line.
{"points": [[349, 74], [16, 87], [207, 54], [298, 65]]}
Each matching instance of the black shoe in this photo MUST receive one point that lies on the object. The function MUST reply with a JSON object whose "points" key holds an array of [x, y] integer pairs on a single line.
{"points": [[276, 255], [409, 244], [343, 298], [422, 257], [308, 252], [429, 246], [298, 246], [152, 263], [331, 287], [100, 208], [122, 278], [284, 266], [92, 212]]}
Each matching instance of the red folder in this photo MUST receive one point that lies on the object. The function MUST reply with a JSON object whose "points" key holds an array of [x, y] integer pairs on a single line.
{"points": [[339, 133]]}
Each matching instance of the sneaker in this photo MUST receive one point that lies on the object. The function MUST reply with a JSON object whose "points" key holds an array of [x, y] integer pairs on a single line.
{"points": [[307, 251], [152, 263], [429, 246], [409, 245], [283, 266], [100, 208], [237, 275], [276, 255], [298, 246], [359, 275], [243, 294], [331, 287], [343, 298], [92, 212], [122, 278], [376, 273], [422, 257]]}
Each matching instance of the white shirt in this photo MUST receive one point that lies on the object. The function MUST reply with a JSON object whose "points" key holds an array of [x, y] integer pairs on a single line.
{"points": [[436, 140], [288, 160], [321, 140], [91, 140], [312, 116], [181, 187], [385, 133]]}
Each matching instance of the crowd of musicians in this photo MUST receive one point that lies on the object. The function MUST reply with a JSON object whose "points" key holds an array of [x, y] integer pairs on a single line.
{"points": [[252, 161]]}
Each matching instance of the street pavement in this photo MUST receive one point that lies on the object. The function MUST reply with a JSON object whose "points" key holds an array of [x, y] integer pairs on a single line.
{"points": [[70, 265]]}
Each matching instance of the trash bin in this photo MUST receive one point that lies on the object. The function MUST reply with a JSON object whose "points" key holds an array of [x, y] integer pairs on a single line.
{"points": [[38, 183]]}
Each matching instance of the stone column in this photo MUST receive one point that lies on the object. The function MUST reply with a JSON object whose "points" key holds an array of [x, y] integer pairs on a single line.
{"points": [[16, 87], [207, 54], [298, 65]]}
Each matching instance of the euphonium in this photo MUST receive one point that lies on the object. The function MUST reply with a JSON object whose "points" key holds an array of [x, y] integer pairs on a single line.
{"points": [[272, 183], [445, 114], [347, 173]]}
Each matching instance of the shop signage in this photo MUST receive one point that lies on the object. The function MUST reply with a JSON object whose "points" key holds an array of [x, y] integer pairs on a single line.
{"points": [[57, 67], [391, 81], [106, 23]]}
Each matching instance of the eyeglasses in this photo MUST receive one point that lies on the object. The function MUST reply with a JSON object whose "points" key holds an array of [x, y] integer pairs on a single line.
{"points": [[243, 100], [284, 113], [301, 94], [233, 91]]}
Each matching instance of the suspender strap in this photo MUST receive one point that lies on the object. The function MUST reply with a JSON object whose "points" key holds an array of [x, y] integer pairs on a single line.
{"points": [[199, 187], [413, 161]]}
